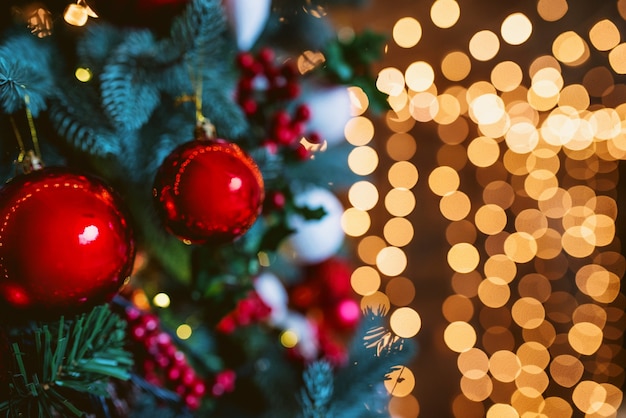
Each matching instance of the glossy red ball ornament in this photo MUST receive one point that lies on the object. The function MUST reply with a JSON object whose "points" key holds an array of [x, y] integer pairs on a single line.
{"points": [[208, 191], [66, 244]]}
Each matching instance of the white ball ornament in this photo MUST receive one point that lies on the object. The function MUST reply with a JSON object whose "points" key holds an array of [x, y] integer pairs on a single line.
{"points": [[331, 109], [271, 290], [247, 20], [314, 240]]}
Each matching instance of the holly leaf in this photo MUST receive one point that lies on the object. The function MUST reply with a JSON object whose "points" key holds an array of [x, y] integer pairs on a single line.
{"points": [[274, 236], [310, 214]]}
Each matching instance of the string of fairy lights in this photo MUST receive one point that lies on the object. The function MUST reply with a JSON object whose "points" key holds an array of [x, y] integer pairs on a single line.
{"points": [[536, 314]]}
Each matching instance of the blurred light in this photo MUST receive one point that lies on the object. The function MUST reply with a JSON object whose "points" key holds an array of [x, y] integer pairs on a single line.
{"points": [[391, 261], [419, 76], [456, 65], [365, 280], [407, 32], [184, 332], [289, 339], [162, 300], [463, 257], [516, 29], [83, 74], [405, 322], [484, 45], [445, 13], [552, 10], [604, 35]]}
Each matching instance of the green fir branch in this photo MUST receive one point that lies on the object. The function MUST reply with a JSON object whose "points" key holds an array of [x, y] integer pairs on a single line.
{"points": [[79, 355], [358, 385], [317, 392]]}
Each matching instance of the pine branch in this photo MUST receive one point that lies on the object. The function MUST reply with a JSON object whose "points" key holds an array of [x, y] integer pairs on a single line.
{"points": [[57, 359], [130, 94], [78, 120], [373, 352], [22, 59], [318, 390]]}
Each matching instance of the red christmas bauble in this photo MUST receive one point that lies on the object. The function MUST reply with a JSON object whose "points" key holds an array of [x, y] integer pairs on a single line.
{"points": [[208, 191], [65, 242]]}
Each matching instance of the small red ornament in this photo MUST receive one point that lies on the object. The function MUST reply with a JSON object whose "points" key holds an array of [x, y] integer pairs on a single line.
{"points": [[208, 191], [65, 242]]}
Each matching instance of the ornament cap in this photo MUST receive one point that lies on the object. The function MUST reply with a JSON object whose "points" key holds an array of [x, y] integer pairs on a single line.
{"points": [[28, 163], [205, 130]]}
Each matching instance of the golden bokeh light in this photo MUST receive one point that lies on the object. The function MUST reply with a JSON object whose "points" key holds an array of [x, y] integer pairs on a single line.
{"points": [[355, 222], [506, 76], [525, 173], [400, 381], [391, 261], [505, 366], [390, 81], [401, 147], [528, 312], [369, 247], [363, 160], [359, 131], [604, 35], [473, 363], [405, 322], [494, 292], [365, 280], [455, 206], [490, 219], [484, 45], [552, 10], [585, 337], [403, 175], [444, 180], [419, 76], [456, 65], [459, 336], [516, 28], [501, 410], [463, 257], [400, 202], [400, 291], [398, 232], [363, 195], [617, 58], [569, 48], [407, 32], [445, 13]]}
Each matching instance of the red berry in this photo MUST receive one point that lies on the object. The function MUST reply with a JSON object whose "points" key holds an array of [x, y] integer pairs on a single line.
{"points": [[298, 129], [245, 60], [278, 200], [284, 135], [249, 106], [303, 113], [266, 55], [315, 138], [302, 153], [281, 118], [192, 401]]}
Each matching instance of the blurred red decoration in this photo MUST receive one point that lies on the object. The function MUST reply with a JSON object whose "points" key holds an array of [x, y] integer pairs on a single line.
{"points": [[65, 242], [249, 310], [208, 191]]}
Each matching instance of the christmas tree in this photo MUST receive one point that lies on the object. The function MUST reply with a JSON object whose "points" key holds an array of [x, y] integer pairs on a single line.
{"points": [[171, 241]]}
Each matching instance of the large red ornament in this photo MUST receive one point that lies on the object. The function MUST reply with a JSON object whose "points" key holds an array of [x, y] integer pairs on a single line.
{"points": [[65, 242], [208, 191]]}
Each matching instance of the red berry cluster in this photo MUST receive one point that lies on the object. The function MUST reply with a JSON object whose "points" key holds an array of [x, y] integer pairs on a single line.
{"points": [[264, 92], [163, 364], [248, 310]]}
